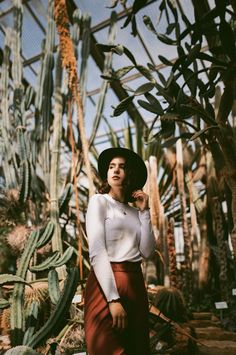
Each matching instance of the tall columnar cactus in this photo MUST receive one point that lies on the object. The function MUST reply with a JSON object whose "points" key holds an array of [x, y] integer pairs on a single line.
{"points": [[19, 102], [85, 51], [6, 149], [55, 162], [43, 100]]}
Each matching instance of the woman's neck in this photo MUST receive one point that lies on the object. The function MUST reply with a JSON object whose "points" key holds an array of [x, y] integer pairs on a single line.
{"points": [[117, 194]]}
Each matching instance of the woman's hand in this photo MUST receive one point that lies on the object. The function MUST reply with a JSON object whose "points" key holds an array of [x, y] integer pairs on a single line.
{"points": [[141, 199], [119, 316]]}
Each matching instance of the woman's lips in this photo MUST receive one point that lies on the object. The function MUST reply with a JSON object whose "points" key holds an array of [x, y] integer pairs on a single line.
{"points": [[115, 177]]}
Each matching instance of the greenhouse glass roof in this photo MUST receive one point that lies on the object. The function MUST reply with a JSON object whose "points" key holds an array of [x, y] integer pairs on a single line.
{"points": [[145, 47]]}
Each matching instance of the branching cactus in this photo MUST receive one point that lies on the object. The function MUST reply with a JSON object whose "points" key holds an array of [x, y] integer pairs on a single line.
{"points": [[25, 333], [36, 239], [60, 310]]}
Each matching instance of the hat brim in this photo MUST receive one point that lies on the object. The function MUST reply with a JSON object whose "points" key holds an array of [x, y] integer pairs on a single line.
{"points": [[134, 160]]}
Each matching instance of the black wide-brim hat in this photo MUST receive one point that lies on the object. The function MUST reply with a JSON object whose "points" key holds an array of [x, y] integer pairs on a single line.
{"points": [[133, 160]]}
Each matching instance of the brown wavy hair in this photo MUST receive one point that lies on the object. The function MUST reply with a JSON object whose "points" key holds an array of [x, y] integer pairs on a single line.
{"points": [[130, 183]]}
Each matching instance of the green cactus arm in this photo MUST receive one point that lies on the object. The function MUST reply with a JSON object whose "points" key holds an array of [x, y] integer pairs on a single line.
{"points": [[31, 321], [53, 286], [85, 50], [65, 198], [46, 235], [29, 96], [46, 264], [65, 257], [28, 253], [25, 174], [60, 309], [47, 82], [8, 278]]}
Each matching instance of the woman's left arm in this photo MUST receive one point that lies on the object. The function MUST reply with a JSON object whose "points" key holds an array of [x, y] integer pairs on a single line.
{"points": [[147, 240]]}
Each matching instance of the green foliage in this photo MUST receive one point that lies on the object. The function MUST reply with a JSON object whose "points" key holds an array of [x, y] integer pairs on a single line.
{"points": [[181, 103]]}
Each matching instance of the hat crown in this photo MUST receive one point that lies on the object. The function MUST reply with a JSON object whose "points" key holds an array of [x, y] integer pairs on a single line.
{"points": [[133, 160]]}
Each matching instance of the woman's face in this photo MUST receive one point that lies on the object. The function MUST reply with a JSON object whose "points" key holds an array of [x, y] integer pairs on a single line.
{"points": [[116, 172]]}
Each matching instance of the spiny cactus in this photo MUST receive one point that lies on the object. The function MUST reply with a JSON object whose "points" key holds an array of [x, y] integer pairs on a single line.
{"points": [[17, 238], [60, 310], [11, 210], [5, 321], [170, 302]]}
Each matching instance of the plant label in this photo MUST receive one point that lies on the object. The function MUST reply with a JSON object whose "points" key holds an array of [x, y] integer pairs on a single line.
{"points": [[221, 305], [234, 291]]}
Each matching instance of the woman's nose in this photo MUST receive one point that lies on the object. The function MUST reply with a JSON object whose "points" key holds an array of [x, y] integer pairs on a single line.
{"points": [[117, 170]]}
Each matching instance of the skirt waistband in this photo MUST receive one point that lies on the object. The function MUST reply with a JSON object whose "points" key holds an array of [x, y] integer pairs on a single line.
{"points": [[125, 266]]}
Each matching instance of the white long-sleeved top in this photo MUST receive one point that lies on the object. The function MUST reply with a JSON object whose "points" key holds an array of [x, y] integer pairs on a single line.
{"points": [[116, 232]]}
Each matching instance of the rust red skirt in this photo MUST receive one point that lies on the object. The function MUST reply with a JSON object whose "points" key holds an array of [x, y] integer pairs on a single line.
{"points": [[101, 338]]}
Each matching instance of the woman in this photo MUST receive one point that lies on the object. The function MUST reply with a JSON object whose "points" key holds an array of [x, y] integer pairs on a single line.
{"points": [[116, 305]]}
